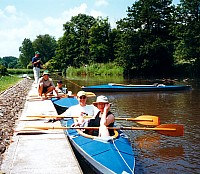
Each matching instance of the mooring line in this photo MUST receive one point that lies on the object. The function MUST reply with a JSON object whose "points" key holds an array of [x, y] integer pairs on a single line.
{"points": [[71, 81]]}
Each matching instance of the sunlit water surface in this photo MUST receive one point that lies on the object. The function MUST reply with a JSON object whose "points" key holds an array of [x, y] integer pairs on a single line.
{"points": [[156, 153]]}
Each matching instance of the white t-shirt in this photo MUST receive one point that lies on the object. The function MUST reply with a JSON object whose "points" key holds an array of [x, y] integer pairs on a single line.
{"points": [[79, 110]]}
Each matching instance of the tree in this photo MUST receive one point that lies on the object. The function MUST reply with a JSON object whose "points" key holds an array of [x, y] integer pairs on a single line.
{"points": [[67, 49], [99, 42], [144, 36], [46, 45], [188, 34], [73, 47], [27, 52], [3, 70], [9, 62]]}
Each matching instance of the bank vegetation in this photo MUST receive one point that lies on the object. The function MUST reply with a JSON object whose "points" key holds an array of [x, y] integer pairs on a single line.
{"points": [[156, 39]]}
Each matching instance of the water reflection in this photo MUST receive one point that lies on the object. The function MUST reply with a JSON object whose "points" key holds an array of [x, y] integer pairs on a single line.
{"points": [[152, 144], [156, 153]]}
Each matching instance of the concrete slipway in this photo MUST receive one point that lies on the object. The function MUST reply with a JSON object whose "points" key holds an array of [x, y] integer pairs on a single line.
{"points": [[46, 153]]}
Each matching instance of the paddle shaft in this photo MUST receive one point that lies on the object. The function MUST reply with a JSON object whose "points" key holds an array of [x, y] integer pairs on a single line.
{"points": [[165, 129], [143, 119], [116, 118], [114, 128]]}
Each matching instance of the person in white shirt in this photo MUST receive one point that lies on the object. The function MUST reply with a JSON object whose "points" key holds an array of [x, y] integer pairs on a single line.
{"points": [[81, 109]]}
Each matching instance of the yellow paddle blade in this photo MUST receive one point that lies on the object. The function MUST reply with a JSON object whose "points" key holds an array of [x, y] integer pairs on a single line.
{"points": [[146, 120]]}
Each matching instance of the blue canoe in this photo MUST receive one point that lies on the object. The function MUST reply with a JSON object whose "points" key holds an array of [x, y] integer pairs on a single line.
{"points": [[63, 104], [110, 155], [112, 87]]}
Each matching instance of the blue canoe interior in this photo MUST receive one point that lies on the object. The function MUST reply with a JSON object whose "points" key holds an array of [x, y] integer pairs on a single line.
{"points": [[113, 155], [112, 87], [63, 104]]}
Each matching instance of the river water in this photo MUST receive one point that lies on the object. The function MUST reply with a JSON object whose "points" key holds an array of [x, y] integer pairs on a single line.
{"points": [[156, 153]]}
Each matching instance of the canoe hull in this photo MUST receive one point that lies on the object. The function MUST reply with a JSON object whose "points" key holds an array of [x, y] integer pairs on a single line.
{"points": [[136, 88], [103, 155]]}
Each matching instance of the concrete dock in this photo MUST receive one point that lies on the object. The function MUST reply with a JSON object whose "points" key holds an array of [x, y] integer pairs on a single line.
{"points": [[44, 152]]}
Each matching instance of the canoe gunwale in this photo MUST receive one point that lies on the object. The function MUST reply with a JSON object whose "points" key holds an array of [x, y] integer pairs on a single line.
{"points": [[80, 132], [126, 88]]}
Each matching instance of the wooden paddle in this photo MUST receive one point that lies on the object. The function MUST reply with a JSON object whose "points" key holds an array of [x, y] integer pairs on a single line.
{"points": [[88, 94], [147, 120], [164, 129]]}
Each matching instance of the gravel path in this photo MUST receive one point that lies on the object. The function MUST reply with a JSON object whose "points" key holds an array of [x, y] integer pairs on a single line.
{"points": [[11, 104]]}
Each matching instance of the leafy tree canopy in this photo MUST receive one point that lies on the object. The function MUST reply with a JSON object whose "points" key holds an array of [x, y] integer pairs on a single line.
{"points": [[46, 45]]}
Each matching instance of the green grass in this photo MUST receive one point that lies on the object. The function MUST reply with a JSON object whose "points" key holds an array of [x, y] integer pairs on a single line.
{"points": [[8, 81], [109, 69], [22, 71]]}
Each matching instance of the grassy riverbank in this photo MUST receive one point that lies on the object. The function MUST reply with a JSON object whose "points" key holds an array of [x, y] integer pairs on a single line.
{"points": [[8, 81], [96, 69], [20, 71]]}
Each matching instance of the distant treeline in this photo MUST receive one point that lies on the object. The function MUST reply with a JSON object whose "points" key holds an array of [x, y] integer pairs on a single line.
{"points": [[155, 39], [9, 62]]}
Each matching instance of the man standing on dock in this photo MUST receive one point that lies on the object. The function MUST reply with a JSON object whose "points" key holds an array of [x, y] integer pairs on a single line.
{"points": [[36, 66]]}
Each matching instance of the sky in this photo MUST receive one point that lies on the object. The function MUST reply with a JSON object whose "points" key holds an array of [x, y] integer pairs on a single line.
{"points": [[20, 19]]}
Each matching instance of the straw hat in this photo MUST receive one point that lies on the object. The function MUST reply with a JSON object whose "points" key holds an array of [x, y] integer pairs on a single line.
{"points": [[81, 93]]}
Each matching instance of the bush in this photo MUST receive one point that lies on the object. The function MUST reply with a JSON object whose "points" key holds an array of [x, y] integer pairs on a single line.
{"points": [[30, 65], [110, 69], [3, 70]]}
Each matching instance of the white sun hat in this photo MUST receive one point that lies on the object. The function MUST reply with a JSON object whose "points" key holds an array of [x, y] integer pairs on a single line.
{"points": [[101, 99]]}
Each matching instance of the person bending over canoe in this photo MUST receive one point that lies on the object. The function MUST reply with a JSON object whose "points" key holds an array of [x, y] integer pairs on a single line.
{"points": [[45, 85], [81, 109], [103, 119]]}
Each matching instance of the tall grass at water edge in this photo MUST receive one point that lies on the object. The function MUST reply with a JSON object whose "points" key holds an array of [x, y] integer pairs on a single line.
{"points": [[96, 69], [20, 71], [8, 81]]}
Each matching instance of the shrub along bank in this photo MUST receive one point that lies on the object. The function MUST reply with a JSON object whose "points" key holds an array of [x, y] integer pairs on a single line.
{"points": [[96, 69]]}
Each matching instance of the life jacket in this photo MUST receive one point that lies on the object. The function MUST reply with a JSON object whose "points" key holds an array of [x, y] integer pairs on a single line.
{"points": [[96, 123]]}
